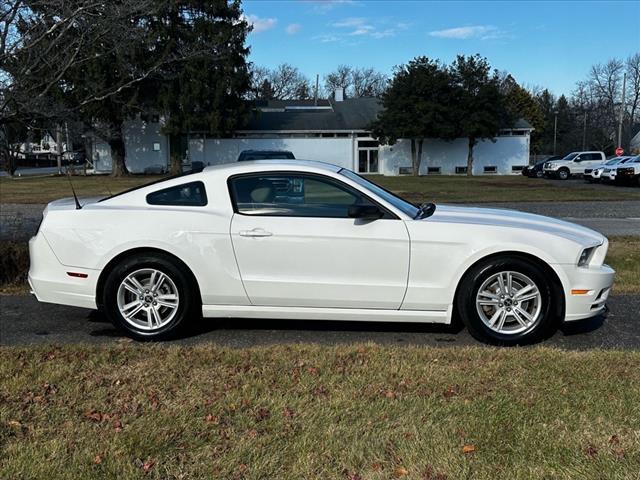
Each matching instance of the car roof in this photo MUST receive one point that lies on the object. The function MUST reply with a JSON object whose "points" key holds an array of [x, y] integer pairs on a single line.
{"points": [[273, 164]]}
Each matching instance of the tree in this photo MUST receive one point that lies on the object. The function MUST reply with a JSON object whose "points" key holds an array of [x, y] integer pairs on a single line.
{"points": [[285, 82], [478, 102], [519, 103], [205, 91], [356, 82], [111, 59], [417, 105], [339, 78]]}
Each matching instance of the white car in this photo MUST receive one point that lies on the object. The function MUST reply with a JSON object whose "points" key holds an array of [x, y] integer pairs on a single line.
{"points": [[307, 240], [630, 172], [593, 174], [609, 173], [573, 164]]}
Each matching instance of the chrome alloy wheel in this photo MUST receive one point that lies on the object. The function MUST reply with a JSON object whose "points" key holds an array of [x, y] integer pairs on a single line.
{"points": [[509, 303], [148, 299]]}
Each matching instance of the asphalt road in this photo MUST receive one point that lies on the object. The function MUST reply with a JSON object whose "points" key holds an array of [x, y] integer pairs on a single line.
{"points": [[25, 321]]}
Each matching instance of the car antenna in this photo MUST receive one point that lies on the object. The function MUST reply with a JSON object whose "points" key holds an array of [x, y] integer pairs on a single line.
{"points": [[75, 197]]}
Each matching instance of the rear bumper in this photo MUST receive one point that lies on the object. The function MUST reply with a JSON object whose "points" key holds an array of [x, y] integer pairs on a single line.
{"points": [[50, 282], [597, 281]]}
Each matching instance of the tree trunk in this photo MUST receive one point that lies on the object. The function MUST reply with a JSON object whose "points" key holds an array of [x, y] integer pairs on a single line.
{"points": [[420, 154], [472, 143], [116, 143], [415, 165], [175, 164]]}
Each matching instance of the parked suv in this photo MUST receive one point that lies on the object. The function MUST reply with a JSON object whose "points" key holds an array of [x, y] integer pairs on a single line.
{"points": [[629, 172], [265, 155], [609, 173], [573, 164]]}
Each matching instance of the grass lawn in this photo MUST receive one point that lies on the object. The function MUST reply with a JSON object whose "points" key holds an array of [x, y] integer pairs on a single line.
{"points": [[415, 189], [311, 412]]}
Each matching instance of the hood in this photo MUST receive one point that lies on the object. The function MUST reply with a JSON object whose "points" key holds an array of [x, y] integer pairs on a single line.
{"points": [[505, 218]]}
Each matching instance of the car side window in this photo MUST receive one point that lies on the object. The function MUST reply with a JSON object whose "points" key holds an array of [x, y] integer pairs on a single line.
{"points": [[293, 195], [191, 194]]}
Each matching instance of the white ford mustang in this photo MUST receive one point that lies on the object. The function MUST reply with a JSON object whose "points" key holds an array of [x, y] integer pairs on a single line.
{"points": [[308, 240]]}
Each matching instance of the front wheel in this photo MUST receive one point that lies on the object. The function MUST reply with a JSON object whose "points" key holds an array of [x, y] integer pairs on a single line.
{"points": [[563, 173], [149, 297], [507, 301]]}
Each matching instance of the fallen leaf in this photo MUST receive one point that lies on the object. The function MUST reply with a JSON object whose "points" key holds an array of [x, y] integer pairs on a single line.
{"points": [[591, 451], [400, 472], [618, 452], [614, 440], [14, 424], [354, 476], [451, 391], [117, 426], [148, 465], [262, 414], [93, 415], [288, 413], [97, 459], [211, 418], [390, 394], [312, 370], [468, 449], [153, 401]]}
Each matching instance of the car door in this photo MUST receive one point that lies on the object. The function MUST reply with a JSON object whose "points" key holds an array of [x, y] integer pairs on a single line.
{"points": [[296, 245]]}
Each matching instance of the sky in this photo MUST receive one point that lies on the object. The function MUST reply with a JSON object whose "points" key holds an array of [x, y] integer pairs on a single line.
{"points": [[547, 44]]}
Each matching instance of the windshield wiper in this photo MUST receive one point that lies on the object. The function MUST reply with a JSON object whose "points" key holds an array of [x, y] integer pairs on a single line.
{"points": [[425, 211]]}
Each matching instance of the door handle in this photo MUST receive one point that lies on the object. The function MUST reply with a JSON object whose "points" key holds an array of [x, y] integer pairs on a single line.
{"points": [[256, 232]]}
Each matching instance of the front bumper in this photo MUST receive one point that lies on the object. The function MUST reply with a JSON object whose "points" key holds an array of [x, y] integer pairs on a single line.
{"points": [[50, 282], [597, 281]]}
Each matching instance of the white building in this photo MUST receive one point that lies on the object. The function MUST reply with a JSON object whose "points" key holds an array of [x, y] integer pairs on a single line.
{"points": [[333, 131]]}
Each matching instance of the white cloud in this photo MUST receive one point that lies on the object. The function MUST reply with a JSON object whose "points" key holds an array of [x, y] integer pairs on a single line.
{"points": [[260, 24], [483, 32], [293, 28], [325, 6], [349, 22]]}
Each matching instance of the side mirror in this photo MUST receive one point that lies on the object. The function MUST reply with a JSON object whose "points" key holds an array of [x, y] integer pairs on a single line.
{"points": [[366, 212]]}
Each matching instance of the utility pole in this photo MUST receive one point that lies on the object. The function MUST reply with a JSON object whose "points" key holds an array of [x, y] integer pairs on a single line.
{"points": [[555, 131], [59, 147], [622, 109], [315, 95], [584, 132]]}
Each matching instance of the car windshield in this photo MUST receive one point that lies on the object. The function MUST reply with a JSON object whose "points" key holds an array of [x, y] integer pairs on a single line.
{"points": [[399, 203], [571, 156], [612, 161]]}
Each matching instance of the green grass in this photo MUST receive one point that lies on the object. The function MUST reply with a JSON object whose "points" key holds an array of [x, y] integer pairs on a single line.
{"points": [[415, 189], [312, 412], [624, 257], [499, 189]]}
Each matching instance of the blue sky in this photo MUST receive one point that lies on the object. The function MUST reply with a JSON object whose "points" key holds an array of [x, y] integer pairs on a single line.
{"points": [[551, 44]]}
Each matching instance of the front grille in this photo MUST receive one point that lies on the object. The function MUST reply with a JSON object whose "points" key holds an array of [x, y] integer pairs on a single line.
{"points": [[588, 170]]}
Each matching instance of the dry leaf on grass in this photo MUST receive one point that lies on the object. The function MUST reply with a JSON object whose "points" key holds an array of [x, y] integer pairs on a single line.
{"points": [[468, 449]]}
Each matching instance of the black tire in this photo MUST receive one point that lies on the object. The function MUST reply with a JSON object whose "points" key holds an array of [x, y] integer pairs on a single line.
{"points": [[545, 323], [539, 174], [564, 174], [181, 279]]}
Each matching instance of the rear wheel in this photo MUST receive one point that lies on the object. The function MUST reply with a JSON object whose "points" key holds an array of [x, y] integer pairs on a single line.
{"points": [[149, 297], [507, 301], [563, 173]]}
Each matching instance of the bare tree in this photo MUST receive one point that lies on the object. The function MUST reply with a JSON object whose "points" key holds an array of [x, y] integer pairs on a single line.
{"points": [[285, 82], [341, 77], [368, 83], [633, 86]]}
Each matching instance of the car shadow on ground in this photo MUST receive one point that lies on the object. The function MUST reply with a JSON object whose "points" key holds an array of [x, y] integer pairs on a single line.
{"points": [[201, 326]]}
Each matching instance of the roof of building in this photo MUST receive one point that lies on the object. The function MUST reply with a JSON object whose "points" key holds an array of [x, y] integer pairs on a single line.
{"points": [[325, 115]]}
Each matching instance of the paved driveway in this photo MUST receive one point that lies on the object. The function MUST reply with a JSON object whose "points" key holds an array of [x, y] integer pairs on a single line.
{"points": [[25, 321]]}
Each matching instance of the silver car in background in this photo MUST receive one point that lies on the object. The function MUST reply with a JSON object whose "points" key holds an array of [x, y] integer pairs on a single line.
{"points": [[609, 173], [593, 173]]}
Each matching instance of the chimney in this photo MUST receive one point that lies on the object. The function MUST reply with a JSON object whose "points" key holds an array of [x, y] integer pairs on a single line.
{"points": [[338, 95]]}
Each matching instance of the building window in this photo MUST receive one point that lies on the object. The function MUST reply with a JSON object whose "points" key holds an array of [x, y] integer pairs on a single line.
{"points": [[518, 132], [405, 171], [368, 160], [491, 169], [368, 144], [433, 170], [461, 170], [364, 134], [342, 135], [517, 168]]}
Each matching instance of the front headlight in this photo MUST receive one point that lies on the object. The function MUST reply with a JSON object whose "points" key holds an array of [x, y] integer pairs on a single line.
{"points": [[585, 256]]}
